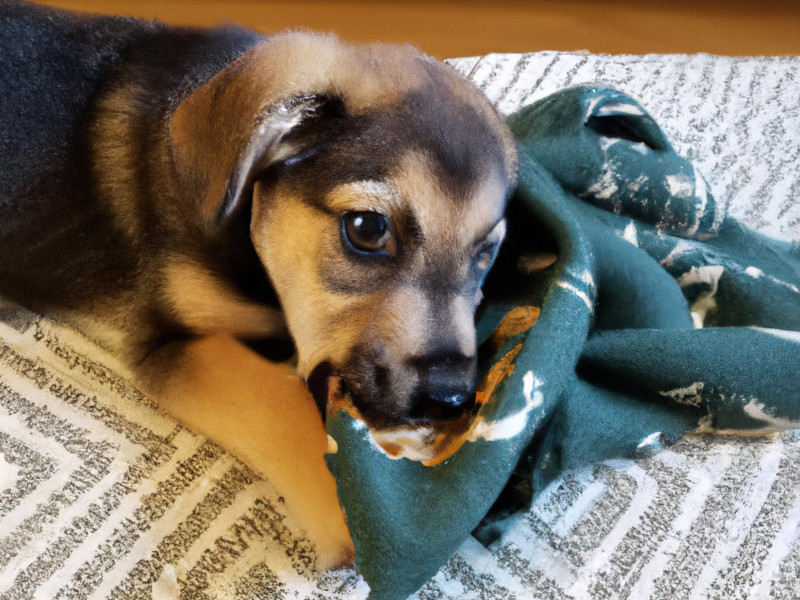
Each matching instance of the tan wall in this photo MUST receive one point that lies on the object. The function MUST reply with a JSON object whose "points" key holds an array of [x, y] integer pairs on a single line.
{"points": [[469, 27]]}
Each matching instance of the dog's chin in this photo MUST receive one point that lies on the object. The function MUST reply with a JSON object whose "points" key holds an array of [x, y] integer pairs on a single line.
{"points": [[425, 443], [428, 442]]}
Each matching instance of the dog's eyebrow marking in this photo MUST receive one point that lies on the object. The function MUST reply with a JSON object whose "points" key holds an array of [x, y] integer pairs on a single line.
{"points": [[365, 195]]}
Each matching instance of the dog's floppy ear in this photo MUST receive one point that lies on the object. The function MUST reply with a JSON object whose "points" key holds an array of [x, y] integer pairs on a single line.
{"points": [[223, 135], [265, 148]]}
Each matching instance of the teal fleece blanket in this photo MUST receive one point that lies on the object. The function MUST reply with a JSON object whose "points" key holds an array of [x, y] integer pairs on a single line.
{"points": [[624, 311]]}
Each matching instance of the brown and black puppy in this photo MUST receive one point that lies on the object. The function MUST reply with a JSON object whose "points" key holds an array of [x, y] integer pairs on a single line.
{"points": [[160, 184]]}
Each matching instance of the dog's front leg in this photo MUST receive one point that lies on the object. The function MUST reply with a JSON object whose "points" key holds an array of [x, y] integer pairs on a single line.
{"points": [[263, 413]]}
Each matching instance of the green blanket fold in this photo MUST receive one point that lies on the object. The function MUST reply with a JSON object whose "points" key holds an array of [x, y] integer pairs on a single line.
{"points": [[661, 315]]}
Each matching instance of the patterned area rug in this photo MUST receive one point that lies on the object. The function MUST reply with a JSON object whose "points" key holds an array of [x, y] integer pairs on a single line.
{"points": [[102, 496], [707, 518]]}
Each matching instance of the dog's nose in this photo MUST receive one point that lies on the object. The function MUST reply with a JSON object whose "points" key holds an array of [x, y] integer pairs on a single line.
{"points": [[446, 388], [443, 404]]}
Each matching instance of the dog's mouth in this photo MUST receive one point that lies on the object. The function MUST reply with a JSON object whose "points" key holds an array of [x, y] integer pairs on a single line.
{"points": [[429, 442], [319, 382]]}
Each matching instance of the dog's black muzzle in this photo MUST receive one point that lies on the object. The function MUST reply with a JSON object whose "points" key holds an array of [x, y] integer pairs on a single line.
{"points": [[426, 390]]}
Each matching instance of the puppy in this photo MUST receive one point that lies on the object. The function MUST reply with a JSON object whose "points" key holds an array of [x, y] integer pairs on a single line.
{"points": [[162, 184]]}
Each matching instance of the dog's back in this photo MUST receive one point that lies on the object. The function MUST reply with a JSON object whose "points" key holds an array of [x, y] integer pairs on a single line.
{"points": [[48, 86]]}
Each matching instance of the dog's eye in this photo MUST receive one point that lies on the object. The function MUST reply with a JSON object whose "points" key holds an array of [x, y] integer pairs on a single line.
{"points": [[369, 233]]}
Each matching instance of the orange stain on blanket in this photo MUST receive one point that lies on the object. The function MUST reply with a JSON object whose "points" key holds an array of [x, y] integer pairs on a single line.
{"points": [[519, 320]]}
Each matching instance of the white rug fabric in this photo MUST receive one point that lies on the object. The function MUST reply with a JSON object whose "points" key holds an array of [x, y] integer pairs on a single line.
{"points": [[104, 497], [707, 518]]}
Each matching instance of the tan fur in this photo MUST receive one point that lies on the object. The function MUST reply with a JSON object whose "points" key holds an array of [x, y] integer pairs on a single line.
{"points": [[112, 154], [323, 324], [457, 225], [206, 306], [263, 413], [365, 195]]}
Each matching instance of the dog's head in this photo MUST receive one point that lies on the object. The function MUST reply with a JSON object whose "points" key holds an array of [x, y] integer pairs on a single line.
{"points": [[375, 181]]}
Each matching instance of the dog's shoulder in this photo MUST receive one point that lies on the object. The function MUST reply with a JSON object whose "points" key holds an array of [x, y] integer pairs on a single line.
{"points": [[54, 64], [60, 244]]}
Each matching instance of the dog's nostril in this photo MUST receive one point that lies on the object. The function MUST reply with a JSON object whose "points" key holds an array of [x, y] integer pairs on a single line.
{"points": [[443, 405]]}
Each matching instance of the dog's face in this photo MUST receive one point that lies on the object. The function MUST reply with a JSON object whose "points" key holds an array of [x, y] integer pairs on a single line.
{"points": [[377, 253], [377, 216]]}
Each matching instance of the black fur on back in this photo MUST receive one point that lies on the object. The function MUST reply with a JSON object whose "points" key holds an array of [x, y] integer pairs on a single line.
{"points": [[59, 246]]}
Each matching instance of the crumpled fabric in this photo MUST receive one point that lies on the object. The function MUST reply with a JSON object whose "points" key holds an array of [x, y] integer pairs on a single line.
{"points": [[624, 311]]}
